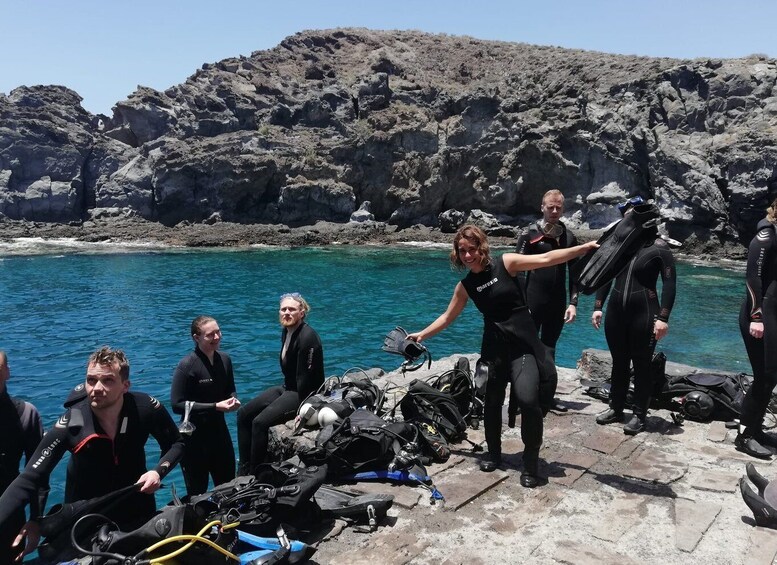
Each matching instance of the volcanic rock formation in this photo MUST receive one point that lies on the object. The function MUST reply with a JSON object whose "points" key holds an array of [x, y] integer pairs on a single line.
{"points": [[427, 128]]}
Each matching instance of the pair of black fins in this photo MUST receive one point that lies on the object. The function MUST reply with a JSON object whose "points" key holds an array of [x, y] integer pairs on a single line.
{"points": [[764, 503], [397, 342], [617, 246]]}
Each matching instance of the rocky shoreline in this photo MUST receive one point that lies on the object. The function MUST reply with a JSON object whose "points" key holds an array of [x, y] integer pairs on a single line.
{"points": [[407, 127], [227, 234]]}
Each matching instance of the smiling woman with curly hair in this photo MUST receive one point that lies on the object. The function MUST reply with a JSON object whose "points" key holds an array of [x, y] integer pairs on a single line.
{"points": [[510, 344]]}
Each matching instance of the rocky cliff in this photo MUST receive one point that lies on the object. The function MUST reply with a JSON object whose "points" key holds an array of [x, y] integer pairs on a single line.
{"points": [[426, 128]]}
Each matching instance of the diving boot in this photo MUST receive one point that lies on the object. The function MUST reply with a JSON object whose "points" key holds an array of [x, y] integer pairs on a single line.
{"points": [[765, 516], [609, 416], [634, 426], [746, 443], [490, 462], [756, 478], [531, 469]]}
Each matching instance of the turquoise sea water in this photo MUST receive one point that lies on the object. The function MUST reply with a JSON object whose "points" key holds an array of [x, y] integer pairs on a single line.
{"points": [[57, 307]]}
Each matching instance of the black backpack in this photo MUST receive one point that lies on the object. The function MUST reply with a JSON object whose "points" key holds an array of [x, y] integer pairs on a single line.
{"points": [[458, 382], [361, 442], [424, 403], [277, 493], [703, 396]]}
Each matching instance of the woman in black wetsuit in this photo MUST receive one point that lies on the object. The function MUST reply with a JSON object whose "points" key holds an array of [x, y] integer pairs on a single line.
{"points": [[758, 326], [635, 321], [302, 365], [205, 378], [510, 343]]}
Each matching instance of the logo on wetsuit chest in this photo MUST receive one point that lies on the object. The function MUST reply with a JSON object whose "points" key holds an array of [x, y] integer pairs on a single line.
{"points": [[484, 286], [205, 380]]}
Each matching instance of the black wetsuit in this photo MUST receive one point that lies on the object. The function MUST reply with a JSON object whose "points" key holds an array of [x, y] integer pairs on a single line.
{"points": [[511, 345], [20, 433], [303, 372], [546, 292], [209, 450], [99, 465], [631, 314], [760, 305]]}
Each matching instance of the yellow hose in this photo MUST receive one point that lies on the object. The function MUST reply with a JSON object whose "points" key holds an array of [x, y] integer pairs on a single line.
{"points": [[191, 541]]}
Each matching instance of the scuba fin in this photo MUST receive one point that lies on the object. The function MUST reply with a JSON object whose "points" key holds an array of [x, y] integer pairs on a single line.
{"points": [[397, 342], [336, 503], [416, 475], [617, 246], [261, 550]]}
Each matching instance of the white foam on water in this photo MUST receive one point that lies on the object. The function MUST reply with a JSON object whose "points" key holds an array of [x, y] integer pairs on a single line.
{"points": [[21, 246], [424, 244]]}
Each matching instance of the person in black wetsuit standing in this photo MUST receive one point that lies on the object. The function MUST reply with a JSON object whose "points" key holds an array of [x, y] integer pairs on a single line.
{"points": [[546, 288], [758, 326], [106, 434], [22, 430], [204, 378], [302, 365], [634, 323], [510, 343]]}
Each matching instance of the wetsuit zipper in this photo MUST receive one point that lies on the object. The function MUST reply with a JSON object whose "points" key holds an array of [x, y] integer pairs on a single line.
{"points": [[628, 283]]}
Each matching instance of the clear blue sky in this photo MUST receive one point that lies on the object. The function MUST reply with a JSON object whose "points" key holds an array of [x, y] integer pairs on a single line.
{"points": [[104, 49]]}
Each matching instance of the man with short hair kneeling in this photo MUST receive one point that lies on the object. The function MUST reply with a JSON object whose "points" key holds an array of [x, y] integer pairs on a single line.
{"points": [[106, 434]]}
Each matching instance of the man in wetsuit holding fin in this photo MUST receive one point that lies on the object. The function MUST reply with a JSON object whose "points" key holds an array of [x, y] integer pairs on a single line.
{"points": [[636, 319]]}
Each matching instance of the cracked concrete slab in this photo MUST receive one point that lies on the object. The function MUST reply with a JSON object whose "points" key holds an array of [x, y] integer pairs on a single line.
{"points": [[762, 547], [621, 515], [656, 466], [717, 481], [605, 440], [692, 519]]}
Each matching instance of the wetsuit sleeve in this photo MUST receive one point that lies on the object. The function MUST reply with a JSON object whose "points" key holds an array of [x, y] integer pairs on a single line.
{"points": [[166, 434], [32, 428], [230, 376], [36, 473], [178, 389], [601, 296], [574, 293], [310, 364], [522, 247], [668, 281], [757, 253]]}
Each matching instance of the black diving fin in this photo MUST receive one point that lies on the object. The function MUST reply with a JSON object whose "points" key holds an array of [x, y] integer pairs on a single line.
{"points": [[397, 342], [617, 246], [364, 508]]}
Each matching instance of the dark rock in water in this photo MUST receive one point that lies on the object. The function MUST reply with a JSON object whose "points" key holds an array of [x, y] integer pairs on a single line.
{"points": [[417, 124]]}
